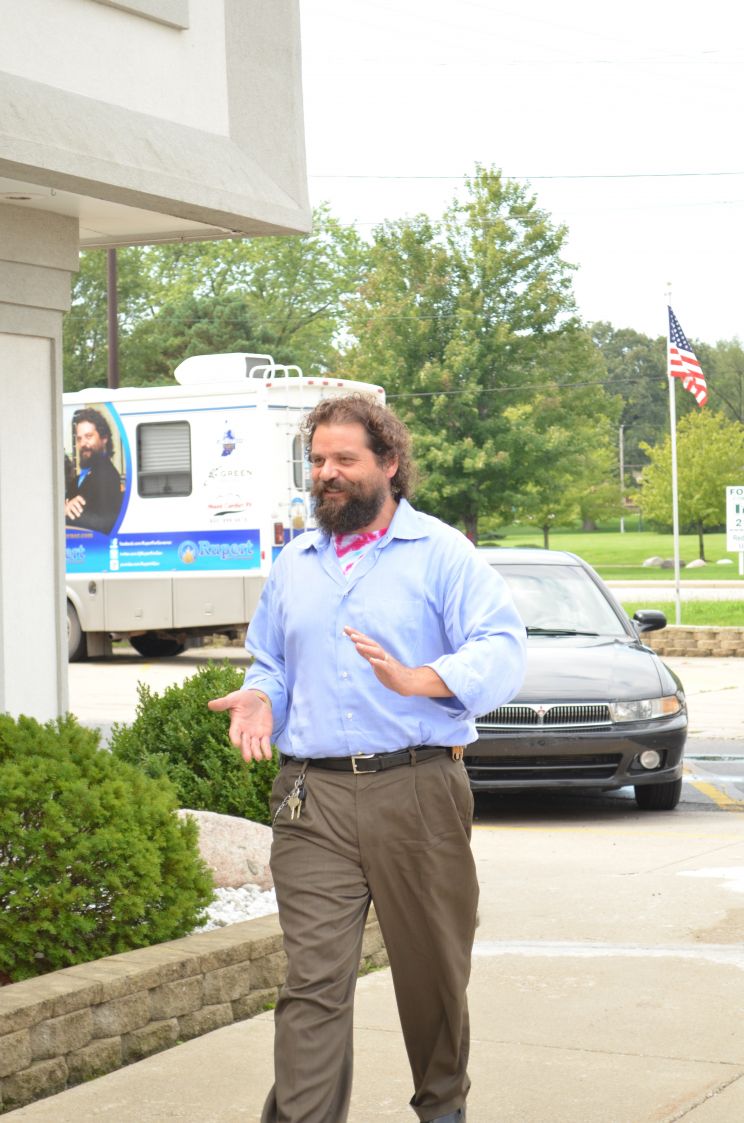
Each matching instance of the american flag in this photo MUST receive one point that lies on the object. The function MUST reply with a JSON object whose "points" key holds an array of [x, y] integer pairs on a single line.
{"points": [[683, 363]]}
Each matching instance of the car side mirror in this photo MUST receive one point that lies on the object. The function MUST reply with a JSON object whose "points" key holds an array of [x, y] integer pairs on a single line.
{"points": [[649, 620]]}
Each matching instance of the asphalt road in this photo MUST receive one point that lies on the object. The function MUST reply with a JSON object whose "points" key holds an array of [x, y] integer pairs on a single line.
{"points": [[660, 592]]}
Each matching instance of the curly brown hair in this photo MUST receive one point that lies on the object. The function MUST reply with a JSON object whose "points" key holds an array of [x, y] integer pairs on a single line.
{"points": [[99, 422], [387, 436]]}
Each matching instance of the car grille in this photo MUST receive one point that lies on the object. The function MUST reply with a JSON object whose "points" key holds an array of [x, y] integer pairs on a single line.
{"points": [[549, 716], [599, 766]]}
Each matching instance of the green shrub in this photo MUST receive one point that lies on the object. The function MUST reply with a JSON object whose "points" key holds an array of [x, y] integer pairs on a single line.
{"points": [[93, 858], [175, 735]]}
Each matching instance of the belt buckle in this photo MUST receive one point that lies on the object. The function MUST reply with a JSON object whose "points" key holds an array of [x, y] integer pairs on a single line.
{"points": [[361, 771]]}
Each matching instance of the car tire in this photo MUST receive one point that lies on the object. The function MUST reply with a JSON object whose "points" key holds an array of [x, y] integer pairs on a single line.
{"points": [[153, 646], [77, 648], [658, 797]]}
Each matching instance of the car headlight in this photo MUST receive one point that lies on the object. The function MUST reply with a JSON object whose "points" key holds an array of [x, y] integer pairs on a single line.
{"points": [[645, 708]]}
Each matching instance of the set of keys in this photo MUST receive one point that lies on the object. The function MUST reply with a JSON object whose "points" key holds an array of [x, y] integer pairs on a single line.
{"points": [[295, 798]]}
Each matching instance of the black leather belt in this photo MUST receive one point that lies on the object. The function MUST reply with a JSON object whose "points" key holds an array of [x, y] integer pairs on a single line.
{"points": [[363, 763]]}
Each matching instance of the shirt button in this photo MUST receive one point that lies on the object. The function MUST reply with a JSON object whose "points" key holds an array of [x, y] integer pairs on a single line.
{"points": [[349, 714], [344, 674]]}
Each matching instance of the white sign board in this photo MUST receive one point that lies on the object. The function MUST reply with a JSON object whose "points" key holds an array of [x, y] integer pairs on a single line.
{"points": [[735, 519]]}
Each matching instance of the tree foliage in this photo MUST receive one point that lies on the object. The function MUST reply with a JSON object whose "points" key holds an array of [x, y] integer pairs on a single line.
{"points": [[469, 324], [282, 296], [85, 345], [637, 372], [723, 366], [573, 465], [710, 456]]}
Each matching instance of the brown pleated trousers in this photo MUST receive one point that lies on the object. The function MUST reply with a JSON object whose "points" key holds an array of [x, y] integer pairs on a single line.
{"points": [[400, 838]]}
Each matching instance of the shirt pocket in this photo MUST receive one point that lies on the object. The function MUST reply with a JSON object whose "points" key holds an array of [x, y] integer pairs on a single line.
{"points": [[398, 623]]}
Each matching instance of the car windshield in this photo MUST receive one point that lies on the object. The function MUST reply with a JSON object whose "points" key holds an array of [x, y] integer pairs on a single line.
{"points": [[560, 599]]}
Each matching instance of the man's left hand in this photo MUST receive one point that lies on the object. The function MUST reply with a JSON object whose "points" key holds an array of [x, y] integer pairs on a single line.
{"points": [[408, 681]]}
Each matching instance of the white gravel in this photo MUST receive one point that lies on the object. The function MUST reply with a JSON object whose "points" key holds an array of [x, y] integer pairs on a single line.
{"points": [[233, 905]]}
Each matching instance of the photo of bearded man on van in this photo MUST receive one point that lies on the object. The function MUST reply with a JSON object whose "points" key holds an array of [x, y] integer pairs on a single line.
{"points": [[93, 491]]}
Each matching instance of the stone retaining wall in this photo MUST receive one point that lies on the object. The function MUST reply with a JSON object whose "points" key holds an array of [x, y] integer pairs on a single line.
{"points": [[691, 640], [672, 640], [68, 1026], [696, 641]]}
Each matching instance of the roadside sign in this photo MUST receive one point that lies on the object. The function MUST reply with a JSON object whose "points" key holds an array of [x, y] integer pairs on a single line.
{"points": [[735, 519]]}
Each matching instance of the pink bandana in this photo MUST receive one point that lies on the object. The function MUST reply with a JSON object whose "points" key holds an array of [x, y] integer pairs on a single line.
{"points": [[350, 548]]}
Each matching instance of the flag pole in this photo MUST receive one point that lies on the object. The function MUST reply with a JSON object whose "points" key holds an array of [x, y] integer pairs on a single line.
{"points": [[675, 500]]}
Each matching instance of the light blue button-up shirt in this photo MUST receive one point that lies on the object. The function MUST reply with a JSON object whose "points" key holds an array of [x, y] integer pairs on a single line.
{"points": [[427, 597]]}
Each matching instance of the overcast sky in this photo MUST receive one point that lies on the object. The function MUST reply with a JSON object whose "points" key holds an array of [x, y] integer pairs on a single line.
{"points": [[625, 120]]}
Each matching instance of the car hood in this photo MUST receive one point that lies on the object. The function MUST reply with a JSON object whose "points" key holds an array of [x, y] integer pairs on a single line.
{"points": [[588, 669]]}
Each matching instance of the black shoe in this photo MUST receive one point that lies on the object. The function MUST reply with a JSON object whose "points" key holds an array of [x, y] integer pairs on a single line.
{"points": [[457, 1116]]}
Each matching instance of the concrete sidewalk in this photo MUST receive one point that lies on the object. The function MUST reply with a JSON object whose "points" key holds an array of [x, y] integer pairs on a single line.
{"points": [[607, 987], [661, 592], [714, 689]]}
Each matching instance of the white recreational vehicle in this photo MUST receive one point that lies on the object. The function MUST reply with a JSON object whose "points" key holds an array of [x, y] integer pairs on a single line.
{"points": [[179, 498]]}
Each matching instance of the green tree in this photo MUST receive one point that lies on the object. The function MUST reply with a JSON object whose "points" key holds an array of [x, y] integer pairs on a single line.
{"points": [[192, 325], [567, 466], [637, 371], [85, 342], [282, 296], [566, 451], [465, 322], [710, 456], [723, 367]]}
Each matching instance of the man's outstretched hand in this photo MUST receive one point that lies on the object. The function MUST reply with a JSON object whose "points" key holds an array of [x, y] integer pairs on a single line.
{"points": [[250, 722]]}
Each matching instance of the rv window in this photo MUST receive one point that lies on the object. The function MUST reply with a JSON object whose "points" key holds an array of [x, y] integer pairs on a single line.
{"points": [[163, 459], [300, 466]]}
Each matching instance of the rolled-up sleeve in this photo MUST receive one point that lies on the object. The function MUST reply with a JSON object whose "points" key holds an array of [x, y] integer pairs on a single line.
{"points": [[489, 647]]}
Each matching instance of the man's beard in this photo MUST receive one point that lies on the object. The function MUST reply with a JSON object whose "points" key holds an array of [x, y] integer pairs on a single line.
{"points": [[362, 506]]}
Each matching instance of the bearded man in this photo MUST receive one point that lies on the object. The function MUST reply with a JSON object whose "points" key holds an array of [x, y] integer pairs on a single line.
{"points": [[378, 639]]}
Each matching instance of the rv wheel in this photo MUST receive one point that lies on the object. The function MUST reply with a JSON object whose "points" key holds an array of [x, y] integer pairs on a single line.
{"points": [[77, 649], [153, 646]]}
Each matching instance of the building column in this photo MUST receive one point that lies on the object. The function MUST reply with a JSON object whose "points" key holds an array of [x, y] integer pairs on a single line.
{"points": [[38, 255]]}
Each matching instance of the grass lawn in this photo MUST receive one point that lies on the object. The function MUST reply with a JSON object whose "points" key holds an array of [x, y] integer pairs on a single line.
{"points": [[710, 613], [620, 557]]}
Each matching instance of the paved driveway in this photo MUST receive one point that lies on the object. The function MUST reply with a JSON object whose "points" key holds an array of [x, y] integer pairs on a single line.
{"points": [[607, 986], [663, 591]]}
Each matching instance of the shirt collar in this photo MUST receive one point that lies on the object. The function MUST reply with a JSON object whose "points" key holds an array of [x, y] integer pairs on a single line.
{"points": [[406, 523]]}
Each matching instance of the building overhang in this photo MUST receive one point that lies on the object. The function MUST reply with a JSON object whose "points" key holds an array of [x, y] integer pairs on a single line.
{"points": [[128, 175]]}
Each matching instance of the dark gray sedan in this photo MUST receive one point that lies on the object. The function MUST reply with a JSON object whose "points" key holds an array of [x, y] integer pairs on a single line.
{"points": [[598, 709]]}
